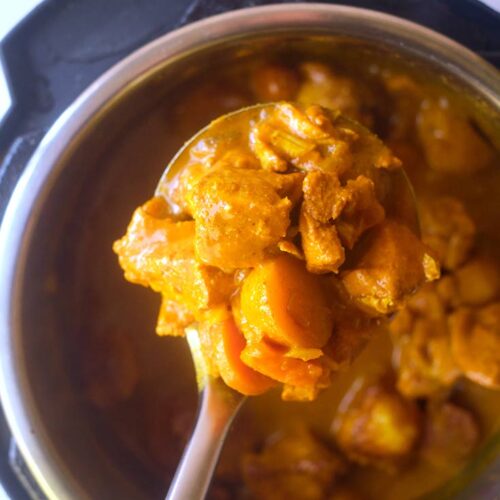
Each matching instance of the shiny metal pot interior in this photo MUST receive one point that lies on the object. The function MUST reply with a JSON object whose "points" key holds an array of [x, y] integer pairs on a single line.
{"points": [[41, 227]]}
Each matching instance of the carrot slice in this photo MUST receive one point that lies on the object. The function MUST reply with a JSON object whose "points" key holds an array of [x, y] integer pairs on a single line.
{"points": [[272, 360], [282, 300], [229, 343]]}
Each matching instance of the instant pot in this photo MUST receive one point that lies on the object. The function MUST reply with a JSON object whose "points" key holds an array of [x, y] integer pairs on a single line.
{"points": [[54, 55]]}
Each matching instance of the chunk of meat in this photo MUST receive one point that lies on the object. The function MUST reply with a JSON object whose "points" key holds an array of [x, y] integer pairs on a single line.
{"points": [[348, 340], [302, 379], [203, 156], [110, 369], [293, 465], [210, 100], [451, 433], [422, 349], [474, 284], [425, 364], [306, 139], [448, 230], [274, 82], [324, 196], [360, 212], [239, 218], [173, 318], [160, 253], [392, 264], [378, 427], [406, 96], [475, 342], [321, 244], [332, 215], [450, 142], [325, 87], [281, 300]]}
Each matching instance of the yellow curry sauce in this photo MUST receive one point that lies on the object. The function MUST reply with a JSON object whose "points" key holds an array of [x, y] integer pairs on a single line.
{"points": [[426, 390]]}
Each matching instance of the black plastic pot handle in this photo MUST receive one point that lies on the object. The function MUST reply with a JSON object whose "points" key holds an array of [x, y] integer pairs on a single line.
{"points": [[14, 163]]}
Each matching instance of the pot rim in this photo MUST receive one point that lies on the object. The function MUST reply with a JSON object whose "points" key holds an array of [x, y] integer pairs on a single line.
{"points": [[33, 187]]}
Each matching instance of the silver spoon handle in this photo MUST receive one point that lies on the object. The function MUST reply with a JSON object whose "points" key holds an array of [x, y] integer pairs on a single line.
{"points": [[196, 468]]}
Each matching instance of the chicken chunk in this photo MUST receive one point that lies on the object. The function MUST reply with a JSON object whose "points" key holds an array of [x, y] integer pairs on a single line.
{"points": [[378, 427], [332, 215], [474, 284], [406, 96], [239, 218], [348, 340], [475, 342], [173, 318], [451, 433], [392, 264], [360, 212], [160, 253], [293, 465], [274, 82], [321, 244], [324, 198], [425, 364], [322, 86], [305, 139], [450, 142], [448, 230], [422, 349]]}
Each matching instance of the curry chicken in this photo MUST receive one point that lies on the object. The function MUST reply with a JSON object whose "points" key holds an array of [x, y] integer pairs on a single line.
{"points": [[277, 238], [283, 241]]}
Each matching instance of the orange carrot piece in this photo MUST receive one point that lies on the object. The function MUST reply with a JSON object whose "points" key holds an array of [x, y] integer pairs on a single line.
{"points": [[283, 301], [271, 360], [230, 342]]}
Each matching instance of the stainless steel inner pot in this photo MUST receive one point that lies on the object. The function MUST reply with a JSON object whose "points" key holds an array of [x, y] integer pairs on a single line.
{"points": [[51, 203]]}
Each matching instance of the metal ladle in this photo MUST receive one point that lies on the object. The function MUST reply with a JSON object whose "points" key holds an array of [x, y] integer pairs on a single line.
{"points": [[219, 403]]}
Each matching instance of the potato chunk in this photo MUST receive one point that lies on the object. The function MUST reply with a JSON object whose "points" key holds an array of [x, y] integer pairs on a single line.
{"points": [[475, 342], [450, 142], [392, 264], [379, 427], [239, 217], [451, 433], [448, 230], [292, 465]]}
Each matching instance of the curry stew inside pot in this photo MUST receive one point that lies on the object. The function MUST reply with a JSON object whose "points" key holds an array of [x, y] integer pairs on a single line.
{"points": [[421, 400]]}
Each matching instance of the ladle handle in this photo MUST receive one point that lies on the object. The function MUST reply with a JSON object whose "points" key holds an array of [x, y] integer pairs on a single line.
{"points": [[196, 468]]}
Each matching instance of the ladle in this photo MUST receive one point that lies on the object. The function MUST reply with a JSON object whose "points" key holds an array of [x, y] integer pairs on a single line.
{"points": [[219, 403]]}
